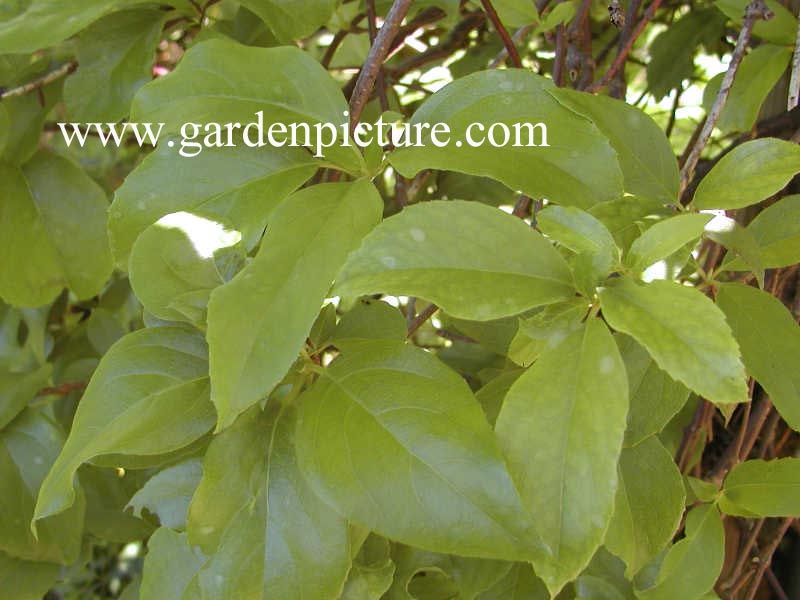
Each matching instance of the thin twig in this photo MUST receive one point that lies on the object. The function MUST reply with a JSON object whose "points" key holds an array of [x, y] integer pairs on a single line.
{"points": [[516, 61], [337, 40], [765, 557], [41, 82], [755, 10], [62, 389], [377, 54], [622, 54], [373, 33], [420, 319], [561, 55], [624, 37], [501, 57], [794, 80]]}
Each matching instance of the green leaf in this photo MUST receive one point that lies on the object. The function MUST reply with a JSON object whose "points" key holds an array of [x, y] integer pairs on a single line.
{"points": [[259, 321], [672, 51], [516, 13], [28, 447], [369, 320], [757, 75], [692, 565], [762, 488], [26, 580], [655, 398], [547, 329], [563, 12], [770, 342], [262, 79], [268, 534], [34, 24], [581, 172], [491, 395], [505, 269], [395, 441], [25, 117], [240, 185], [645, 156], [115, 54], [177, 262], [649, 504], [738, 241], [168, 492], [372, 572], [684, 332], [107, 492], [17, 389], [290, 20], [780, 29], [627, 217], [53, 227], [519, 584], [148, 396], [169, 566], [748, 174], [777, 232], [664, 238], [575, 396]]}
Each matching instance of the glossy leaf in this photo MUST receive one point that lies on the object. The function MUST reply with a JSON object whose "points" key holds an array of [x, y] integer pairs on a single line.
{"points": [[167, 493], [177, 262], [115, 54], [291, 20], [762, 488], [53, 232], [421, 252], [648, 506], [268, 535], [748, 174], [395, 441], [148, 396], [28, 447], [264, 80], [664, 238], [169, 566], [692, 565], [239, 185], [684, 332], [770, 342], [580, 173], [647, 161], [576, 396], [258, 322]]}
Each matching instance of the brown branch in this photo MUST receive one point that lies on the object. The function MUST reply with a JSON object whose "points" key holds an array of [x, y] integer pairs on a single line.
{"points": [[561, 56], [62, 389], [377, 54], [755, 10], [765, 557], [337, 40], [38, 84], [373, 33], [794, 80], [516, 61], [420, 319], [626, 47], [691, 433]]}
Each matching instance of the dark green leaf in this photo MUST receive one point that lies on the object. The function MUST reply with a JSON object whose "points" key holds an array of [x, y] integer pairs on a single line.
{"points": [[291, 20]]}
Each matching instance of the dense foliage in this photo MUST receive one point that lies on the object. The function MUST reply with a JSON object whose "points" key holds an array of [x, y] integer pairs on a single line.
{"points": [[568, 371]]}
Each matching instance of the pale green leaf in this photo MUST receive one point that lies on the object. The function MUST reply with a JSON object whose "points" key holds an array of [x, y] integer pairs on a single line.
{"points": [[578, 167], [369, 319], [777, 232], [290, 20], [115, 55], [261, 80], [770, 342], [26, 580], [575, 396], [53, 232], [167, 493], [474, 261], [107, 492], [762, 488], [645, 156], [519, 584], [259, 321], [692, 565], [169, 566], [655, 398], [148, 396], [684, 332], [372, 572], [780, 29], [757, 75], [627, 217], [177, 262], [748, 174], [739, 242], [395, 441], [240, 185], [268, 534], [28, 447], [546, 329], [17, 389], [665, 238], [649, 504]]}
